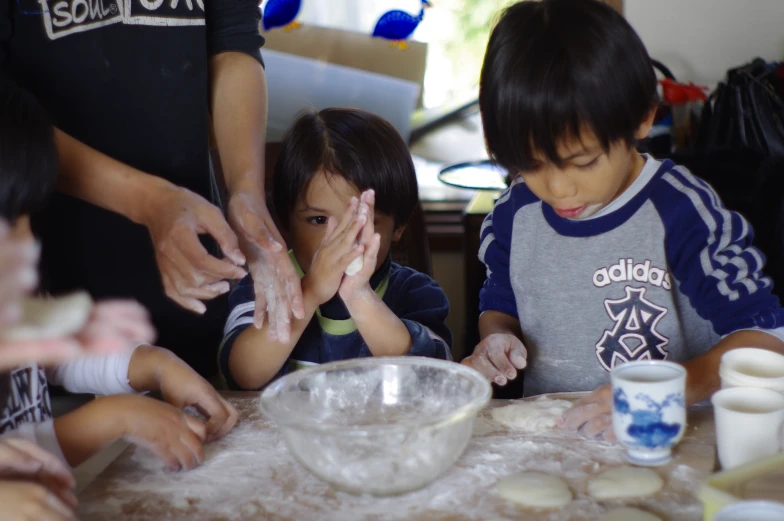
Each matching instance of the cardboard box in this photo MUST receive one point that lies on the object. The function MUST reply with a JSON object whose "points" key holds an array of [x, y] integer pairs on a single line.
{"points": [[352, 49]]}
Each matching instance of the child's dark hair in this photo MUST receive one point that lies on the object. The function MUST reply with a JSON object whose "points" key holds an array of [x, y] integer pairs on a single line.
{"points": [[555, 68], [356, 145], [28, 157]]}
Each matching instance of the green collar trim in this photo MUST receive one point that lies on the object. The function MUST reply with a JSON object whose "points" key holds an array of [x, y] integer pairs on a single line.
{"points": [[338, 327]]}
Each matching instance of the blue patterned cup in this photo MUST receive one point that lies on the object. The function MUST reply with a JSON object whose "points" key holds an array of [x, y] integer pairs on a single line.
{"points": [[649, 409]]}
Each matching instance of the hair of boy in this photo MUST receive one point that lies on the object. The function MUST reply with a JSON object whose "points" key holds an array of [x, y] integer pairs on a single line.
{"points": [[361, 147], [28, 157], [556, 68]]}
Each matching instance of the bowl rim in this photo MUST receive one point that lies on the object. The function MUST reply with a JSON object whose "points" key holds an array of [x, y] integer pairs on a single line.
{"points": [[469, 409]]}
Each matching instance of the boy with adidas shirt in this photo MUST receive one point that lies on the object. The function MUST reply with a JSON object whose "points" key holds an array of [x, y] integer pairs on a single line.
{"points": [[597, 255]]}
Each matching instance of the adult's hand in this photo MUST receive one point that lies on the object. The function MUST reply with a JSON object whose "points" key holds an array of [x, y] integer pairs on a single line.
{"points": [[175, 218], [276, 283]]}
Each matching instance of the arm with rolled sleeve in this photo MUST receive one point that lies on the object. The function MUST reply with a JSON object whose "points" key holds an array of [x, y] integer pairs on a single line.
{"points": [[96, 374]]}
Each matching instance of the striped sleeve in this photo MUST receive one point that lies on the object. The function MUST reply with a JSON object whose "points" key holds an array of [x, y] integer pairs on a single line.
{"points": [[709, 249], [495, 246], [242, 303]]}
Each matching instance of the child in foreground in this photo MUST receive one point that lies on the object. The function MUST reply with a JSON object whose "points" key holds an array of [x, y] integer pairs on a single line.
{"points": [[28, 175], [344, 189], [597, 255]]}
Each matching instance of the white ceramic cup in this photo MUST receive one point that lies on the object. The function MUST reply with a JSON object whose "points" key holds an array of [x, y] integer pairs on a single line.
{"points": [[751, 511], [649, 409], [748, 424], [752, 367]]}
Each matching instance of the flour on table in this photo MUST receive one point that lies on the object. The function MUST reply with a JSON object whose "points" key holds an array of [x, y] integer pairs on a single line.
{"points": [[483, 427], [44, 318], [250, 475], [629, 514], [533, 416], [625, 482], [535, 489]]}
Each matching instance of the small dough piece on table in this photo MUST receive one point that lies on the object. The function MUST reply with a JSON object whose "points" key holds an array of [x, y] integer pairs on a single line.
{"points": [[355, 266], [535, 489], [625, 482], [533, 416], [629, 514], [45, 318]]}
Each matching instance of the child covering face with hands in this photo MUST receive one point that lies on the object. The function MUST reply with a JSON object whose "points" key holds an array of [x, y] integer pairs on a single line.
{"points": [[344, 188]]}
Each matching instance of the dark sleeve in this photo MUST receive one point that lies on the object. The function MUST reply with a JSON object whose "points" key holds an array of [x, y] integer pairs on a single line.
{"points": [[232, 26], [242, 304], [6, 29], [495, 247], [423, 308]]}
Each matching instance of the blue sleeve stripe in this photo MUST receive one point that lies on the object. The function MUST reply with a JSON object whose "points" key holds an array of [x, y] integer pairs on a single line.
{"points": [[486, 224], [494, 250], [508, 192], [723, 229], [738, 227], [743, 231], [486, 242], [741, 224], [513, 198], [504, 206]]}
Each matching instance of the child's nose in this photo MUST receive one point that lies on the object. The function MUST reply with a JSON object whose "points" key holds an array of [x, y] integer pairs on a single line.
{"points": [[560, 186]]}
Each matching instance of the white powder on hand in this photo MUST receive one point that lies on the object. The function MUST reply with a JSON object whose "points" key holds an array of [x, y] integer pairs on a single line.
{"points": [[355, 266]]}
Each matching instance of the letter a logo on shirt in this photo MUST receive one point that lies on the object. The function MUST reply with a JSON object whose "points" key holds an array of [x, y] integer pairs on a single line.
{"points": [[634, 336]]}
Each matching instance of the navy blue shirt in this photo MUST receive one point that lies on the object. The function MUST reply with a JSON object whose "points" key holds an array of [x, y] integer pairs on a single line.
{"points": [[413, 296]]}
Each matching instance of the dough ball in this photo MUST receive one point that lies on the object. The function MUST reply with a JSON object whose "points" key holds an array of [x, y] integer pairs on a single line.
{"points": [[625, 482], [535, 489], [44, 318], [355, 266], [532, 416], [629, 514]]}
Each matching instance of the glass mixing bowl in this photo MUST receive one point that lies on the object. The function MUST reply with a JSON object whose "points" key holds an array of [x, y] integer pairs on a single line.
{"points": [[379, 426]]}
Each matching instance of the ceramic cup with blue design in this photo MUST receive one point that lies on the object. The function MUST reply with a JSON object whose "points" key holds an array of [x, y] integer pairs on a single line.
{"points": [[649, 409]]}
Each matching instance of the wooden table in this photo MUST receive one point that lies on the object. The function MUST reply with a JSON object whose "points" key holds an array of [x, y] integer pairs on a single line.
{"points": [[250, 475]]}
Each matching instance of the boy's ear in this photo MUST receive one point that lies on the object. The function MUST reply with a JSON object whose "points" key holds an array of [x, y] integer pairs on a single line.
{"points": [[647, 123], [398, 233]]}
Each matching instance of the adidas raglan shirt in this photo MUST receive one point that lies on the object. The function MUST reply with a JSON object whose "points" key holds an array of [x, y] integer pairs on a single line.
{"points": [[662, 273]]}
